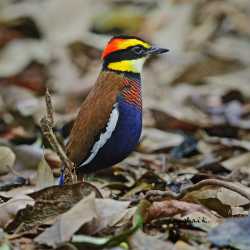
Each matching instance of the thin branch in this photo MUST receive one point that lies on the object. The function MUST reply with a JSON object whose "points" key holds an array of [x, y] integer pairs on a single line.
{"points": [[47, 124], [49, 109]]}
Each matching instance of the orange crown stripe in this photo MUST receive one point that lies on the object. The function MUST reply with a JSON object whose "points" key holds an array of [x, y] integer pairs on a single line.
{"points": [[111, 47], [120, 44]]}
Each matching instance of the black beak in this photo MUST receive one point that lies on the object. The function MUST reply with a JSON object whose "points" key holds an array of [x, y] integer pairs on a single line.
{"points": [[156, 51]]}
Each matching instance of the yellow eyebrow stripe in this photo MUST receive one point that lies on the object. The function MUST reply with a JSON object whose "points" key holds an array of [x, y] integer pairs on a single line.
{"points": [[132, 42]]}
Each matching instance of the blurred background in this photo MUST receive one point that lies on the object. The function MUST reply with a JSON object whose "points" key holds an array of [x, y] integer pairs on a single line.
{"points": [[201, 85]]}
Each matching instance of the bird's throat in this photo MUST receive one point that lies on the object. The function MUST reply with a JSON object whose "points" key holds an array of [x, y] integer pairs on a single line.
{"points": [[133, 66]]}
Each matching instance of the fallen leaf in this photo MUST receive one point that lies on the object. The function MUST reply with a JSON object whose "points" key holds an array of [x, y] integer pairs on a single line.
{"points": [[68, 223], [167, 122], [45, 176], [20, 100], [32, 77], [115, 240], [176, 40], [181, 245], [156, 140], [236, 162], [203, 220], [231, 47], [5, 246], [12, 181], [9, 209], [18, 54], [169, 208], [49, 203], [18, 28], [142, 241], [125, 20], [28, 156], [7, 159], [185, 149], [233, 232], [109, 213], [24, 190], [226, 82], [206, 66], [219, 199]]}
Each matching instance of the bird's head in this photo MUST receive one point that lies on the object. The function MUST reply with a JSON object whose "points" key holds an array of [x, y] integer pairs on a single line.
{"points": [[128, 54]]}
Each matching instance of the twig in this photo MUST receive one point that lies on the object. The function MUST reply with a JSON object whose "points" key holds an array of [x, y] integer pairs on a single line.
{"points": [[152, 194], [49, 109], [47, 124]]}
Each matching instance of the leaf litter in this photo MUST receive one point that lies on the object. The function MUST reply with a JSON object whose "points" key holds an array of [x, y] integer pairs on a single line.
{"points": [[187, 181]]}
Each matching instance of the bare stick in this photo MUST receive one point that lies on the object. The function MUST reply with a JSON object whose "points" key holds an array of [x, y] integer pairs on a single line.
{"points": [[49, 109], [47, 124], [210, 182]]}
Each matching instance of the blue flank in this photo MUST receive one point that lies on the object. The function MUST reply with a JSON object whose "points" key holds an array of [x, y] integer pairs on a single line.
{"points": [[123, 140]]}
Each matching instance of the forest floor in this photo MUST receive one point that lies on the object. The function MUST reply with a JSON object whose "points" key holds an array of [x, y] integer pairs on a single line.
{"points": [[187, 185]]}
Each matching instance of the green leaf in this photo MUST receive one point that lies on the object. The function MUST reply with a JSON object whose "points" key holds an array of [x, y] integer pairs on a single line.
{"points": [[90, 240], [5, 246]]}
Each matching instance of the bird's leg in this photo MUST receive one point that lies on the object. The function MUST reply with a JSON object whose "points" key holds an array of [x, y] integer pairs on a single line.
{"points": [[68, 174]]}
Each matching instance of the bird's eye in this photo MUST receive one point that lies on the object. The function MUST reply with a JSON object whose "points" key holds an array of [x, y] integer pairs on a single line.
{"points": [[138, 50]]}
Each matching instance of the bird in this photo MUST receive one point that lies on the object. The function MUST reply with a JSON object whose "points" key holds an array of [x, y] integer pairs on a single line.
{"points": [[109, 122]]}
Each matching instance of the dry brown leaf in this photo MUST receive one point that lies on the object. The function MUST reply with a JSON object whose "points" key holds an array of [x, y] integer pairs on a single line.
{"points": [[205, 221], [202, 33], [9, 209], [68, 223], [219, 199], [237, 162], [56, 18], [23, 190], [20, 100], [166, 121], [169, 208], [50, 203], [28, 156], [225, 82], [233, 233], [154, 140], [181, 245], [231, 198], [7, 159], [232, 48], [110, 212], [19, 54], [142, 241], [175, 34], [45, 176]]}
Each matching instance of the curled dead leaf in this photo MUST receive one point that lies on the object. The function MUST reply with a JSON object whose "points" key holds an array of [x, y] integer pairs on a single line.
{"points": [[9, 209], [169, 208], [68, 223]]}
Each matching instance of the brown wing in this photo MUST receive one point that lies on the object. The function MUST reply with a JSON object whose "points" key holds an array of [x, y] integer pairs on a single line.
{"points": [[93, 115]]}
